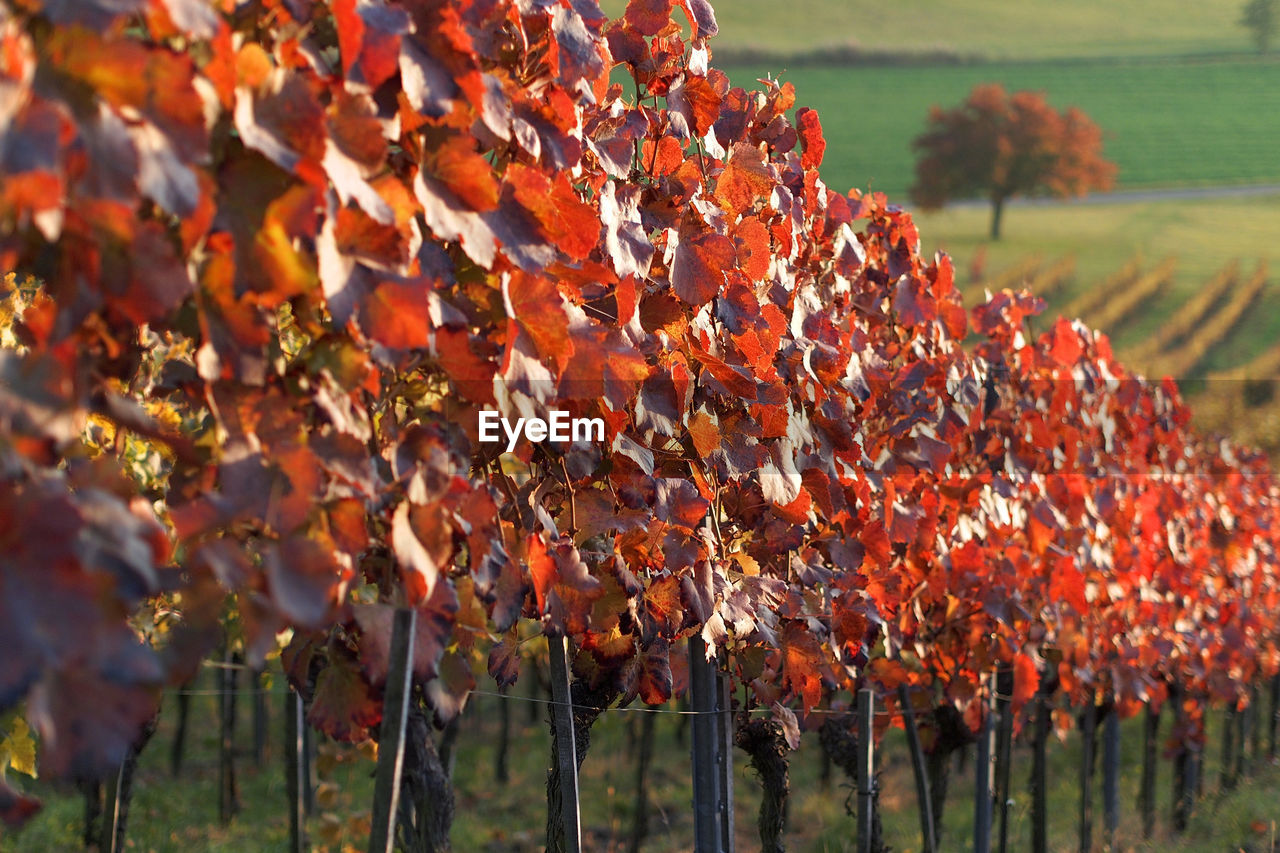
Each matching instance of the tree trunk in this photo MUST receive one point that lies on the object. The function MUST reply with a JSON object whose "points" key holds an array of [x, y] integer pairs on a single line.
{"points": [[114, 824], [260, 716], [588, 705], [92, 812], [640, 828], [840, 742], [228, 790], [950, 735], [1039, 773], [426, 795], [766, 743], [997, 211], [448, 748], [501, 769], [178, 751]]}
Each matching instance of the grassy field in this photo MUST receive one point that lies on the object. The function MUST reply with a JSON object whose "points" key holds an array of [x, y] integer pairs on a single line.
{"points": [[994, 29], [1166, 123], [180, 815], [1202, 235]]}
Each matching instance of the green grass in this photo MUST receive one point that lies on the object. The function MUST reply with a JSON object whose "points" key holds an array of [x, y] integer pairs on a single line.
{"points": [[180, 815], [1202, 235], [1034, 29], [1166, 123]]}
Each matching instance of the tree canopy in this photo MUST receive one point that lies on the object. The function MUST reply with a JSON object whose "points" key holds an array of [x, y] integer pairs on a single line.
{"points": [[1262, 19], [998, 146]]}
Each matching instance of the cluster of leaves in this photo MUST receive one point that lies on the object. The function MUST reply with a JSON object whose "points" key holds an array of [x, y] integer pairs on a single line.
{"points": [[296, 247]]}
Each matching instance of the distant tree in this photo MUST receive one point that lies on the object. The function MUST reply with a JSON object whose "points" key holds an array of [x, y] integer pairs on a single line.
{"points": [[999, 146], [1262, 19]]}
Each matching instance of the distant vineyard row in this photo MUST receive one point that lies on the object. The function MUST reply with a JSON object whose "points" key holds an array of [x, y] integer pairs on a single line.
{"points": [[1201, 330]]}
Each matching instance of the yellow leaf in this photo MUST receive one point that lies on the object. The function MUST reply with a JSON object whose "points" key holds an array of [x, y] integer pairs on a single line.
{"points": [[747, 562], [18, 749]]}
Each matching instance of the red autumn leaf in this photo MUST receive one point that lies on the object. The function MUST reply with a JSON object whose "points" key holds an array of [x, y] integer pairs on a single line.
{"points": [[432, 628], [397, 314], [304, 579], [697, 270], [88, 717], [661, 608], [577, 48], [1066, 584], [704, 432], [626, 240], [285, 121], [875, 539], [344, 706], [447, 693], [754, 248], [159, 282], [912, 304], [648, 17], [504, 662], [654, 682], [745, 179], [678, 502], [542, 570], [696, 101], [369, 40], [534, 301], [155, 81], [275, 263], [609, 648], [418, 565], [812, 142], [457, 165], [566, 221], [801, 664], [1066, 347], [469, 370], [1026, 679]]}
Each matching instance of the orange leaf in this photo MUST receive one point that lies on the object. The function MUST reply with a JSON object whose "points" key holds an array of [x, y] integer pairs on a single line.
{"points": [[1026, 679]]}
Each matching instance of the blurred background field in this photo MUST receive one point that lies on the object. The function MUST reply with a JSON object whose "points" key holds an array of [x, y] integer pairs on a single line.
{"points": [[1190, 112], [981, 29]]}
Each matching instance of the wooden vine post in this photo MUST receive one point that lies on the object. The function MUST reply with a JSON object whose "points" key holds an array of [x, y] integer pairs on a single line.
{"points": [[395, 713], [111, 815], [259, 682], [309, 782], [1186, 773], [1230, 727], [228, 685], [1088, 737], [1275, 716], [1111, 775], [1147, 796], [566, 747], [982, 794], [1004, 749], [711, 752], [866, 775], [1243, 717], [294, 766], [1040, 775], [119, 793], [1255, 727], [919, 770]]}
